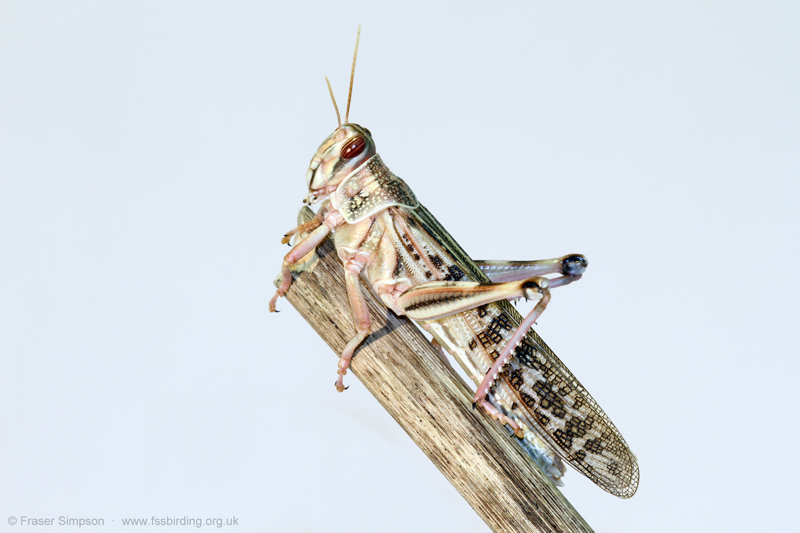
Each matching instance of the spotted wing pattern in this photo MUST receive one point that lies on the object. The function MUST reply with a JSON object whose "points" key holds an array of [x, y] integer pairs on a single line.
{"points": [[535, 387]]}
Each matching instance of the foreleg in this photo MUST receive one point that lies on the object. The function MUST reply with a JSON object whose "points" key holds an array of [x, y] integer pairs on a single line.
{"points": [[570, 267], [300, 250], [305, 227]]}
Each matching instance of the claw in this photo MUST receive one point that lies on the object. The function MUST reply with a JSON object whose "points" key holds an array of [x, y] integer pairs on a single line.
{"points": [[340, 382], [274, 301], [498, 415]]}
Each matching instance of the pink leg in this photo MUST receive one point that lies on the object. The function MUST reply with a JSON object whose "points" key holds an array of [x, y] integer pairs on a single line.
{"points": [[299, 251], [437, 299], [358, 306], [494, 412], [522, 330], [440, 350], [306, 227]]}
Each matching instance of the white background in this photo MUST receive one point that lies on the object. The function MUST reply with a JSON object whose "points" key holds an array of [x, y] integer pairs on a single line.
{"points": [[152, 156]]}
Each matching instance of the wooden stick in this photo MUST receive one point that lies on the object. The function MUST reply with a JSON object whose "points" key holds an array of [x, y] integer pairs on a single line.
{"points": [[404, 372]]}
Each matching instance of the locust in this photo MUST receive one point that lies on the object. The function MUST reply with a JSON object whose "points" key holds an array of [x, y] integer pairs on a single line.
{"points": [[386, 238]]}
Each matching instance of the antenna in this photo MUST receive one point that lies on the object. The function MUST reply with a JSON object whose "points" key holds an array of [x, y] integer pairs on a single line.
{"points": [[338, 118], [352, 74]]}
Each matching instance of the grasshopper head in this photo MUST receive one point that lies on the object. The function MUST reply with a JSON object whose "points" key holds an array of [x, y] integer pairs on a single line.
{"points": [[346, 149]]}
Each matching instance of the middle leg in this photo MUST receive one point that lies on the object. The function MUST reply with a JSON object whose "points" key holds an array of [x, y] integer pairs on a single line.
{"points": [[358, 306]]}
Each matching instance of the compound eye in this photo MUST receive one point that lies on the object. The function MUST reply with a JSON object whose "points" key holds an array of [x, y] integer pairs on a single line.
{"points": [[353, 147]]}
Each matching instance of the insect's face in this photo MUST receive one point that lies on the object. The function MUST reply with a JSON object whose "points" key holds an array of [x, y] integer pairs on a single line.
{"points": [[338, 156]]}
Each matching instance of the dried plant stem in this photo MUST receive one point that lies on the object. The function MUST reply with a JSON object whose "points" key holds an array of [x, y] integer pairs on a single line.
{"points": [[403, 371]]}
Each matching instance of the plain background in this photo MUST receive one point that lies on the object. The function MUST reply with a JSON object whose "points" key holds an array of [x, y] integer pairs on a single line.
{"points": [[153, 154]]}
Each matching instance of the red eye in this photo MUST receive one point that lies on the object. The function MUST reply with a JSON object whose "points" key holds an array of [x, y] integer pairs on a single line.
{"points": [[353, 147]]}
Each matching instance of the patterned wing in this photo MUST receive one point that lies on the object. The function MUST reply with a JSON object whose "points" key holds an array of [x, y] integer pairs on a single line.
{"points": [[535, 385], [568, 418]]}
